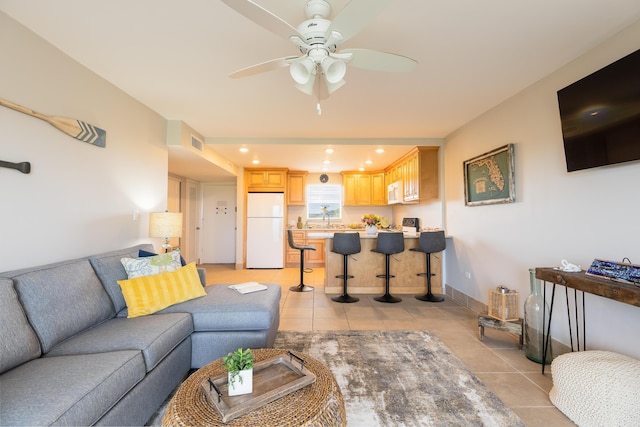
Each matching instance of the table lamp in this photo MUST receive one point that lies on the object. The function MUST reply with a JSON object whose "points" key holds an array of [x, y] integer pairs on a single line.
{"points": [[165, 225]]}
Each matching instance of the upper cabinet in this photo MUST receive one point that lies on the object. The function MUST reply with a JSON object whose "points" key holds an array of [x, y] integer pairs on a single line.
{"points": [[363, 188], [296, 188], [378, 189], [418, 171], [266, 180]]}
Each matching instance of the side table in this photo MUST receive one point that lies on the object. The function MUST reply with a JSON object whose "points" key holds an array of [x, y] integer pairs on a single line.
{"points": [[319, 404], [513, 326]]}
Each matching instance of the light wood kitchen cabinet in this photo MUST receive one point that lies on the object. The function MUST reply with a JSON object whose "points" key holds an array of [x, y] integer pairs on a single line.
{"points": [[411, 181], [311, 258], [296, 188], [363, 189], [378, 189], [265, 180], [292, 256], [357, 189], [418, 171], [393, 173], [315, 258]]}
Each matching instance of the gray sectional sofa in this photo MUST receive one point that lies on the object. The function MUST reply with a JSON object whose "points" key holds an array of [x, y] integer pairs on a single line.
{"points": [[70, 356]]}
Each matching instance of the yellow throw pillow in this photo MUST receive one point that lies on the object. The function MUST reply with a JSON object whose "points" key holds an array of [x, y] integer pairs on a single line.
{"points": [[149, 294]]}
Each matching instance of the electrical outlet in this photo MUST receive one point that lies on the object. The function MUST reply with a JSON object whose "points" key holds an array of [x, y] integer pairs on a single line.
{"points": [[467, 275], [136, 214]]}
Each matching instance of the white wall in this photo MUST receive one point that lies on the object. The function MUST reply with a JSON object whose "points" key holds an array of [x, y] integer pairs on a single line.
{"points": [[557, 215], [79, 199]]}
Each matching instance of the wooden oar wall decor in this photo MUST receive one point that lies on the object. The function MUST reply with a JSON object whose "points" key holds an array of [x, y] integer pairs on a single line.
{"points": [[24, 167], [82, 131]]}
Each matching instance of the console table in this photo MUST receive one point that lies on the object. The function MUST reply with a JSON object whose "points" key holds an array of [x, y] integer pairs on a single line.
{"points": [[580, 281]]}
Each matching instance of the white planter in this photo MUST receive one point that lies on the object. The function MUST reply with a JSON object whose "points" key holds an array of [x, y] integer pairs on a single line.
{"points": [[371, 229], [242, 384]]}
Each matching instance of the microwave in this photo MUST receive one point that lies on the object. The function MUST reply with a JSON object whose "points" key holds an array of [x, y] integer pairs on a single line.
{"points": [[395, 193]]}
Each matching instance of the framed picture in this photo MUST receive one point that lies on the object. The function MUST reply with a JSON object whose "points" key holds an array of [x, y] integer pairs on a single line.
{"points": [[490, 178]]}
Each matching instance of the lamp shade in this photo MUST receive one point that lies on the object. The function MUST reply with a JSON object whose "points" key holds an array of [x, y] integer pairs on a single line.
{"points": [[334, 69], [165, 224], [302, 70]]}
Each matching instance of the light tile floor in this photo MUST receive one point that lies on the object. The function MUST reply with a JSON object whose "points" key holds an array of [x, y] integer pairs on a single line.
{"points": [[496, 360]]}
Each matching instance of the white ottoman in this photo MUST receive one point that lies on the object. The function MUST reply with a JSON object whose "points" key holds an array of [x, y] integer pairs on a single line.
{"points": [[597, 388]]}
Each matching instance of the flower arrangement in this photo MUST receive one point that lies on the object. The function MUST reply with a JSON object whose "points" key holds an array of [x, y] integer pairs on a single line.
{"points": [[370, 219]]}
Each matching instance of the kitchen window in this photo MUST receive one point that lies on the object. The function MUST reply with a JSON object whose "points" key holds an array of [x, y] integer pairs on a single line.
{"points": [[324, 200]]}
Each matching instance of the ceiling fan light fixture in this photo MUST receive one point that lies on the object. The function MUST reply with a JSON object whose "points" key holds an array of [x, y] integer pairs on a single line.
{"points": [[332, 87], [334, 69], [309, 87], [302, 70]]}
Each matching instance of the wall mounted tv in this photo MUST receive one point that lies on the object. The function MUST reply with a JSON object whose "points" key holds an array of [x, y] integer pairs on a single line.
{"points": [[600, 116]]}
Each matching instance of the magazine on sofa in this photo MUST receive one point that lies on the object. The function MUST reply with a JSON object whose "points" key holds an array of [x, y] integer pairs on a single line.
{"points": [[248, 287]]}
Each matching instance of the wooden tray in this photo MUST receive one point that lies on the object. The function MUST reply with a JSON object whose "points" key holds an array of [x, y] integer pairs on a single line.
{"points": [[272, 379]]}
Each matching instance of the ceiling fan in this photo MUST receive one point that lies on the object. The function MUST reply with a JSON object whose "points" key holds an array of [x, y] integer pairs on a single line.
{"points": [[321, 67]]}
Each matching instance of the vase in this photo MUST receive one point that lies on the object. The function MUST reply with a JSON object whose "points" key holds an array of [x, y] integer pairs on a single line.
{"points": [[534, 323], [371, 229], [242, 383]]}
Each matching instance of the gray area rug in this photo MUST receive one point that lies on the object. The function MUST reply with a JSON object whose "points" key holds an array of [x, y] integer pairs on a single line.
{"points": [[401, 378], [398, 378]]}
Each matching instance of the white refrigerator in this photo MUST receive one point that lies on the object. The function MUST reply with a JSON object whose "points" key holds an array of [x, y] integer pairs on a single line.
{"points": [[265, 230]]}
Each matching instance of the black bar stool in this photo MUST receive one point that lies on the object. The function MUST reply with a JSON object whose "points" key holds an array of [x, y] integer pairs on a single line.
{"points": [[301, 287], [430, 242], [389, 243], [345, 244]]}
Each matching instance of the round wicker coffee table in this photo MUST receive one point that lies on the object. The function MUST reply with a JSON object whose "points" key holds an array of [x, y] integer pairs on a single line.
{"points": [[318, 404]]}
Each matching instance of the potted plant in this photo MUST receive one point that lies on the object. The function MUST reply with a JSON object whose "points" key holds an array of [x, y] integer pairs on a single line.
{"points": [[239, 364]]}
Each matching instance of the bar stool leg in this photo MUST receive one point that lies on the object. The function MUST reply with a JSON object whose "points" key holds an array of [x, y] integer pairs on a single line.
{"points": [[301, 287], [387, 297], [345, 297], [429, 297]]}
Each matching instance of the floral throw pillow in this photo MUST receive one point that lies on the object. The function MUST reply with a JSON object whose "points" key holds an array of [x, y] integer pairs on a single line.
{"points": [[148, 266]]}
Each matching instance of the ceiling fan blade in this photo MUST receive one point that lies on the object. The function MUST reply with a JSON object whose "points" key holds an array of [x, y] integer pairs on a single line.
{"points": [[355, 16], [271, 65], [262, 17], [380, 61]]}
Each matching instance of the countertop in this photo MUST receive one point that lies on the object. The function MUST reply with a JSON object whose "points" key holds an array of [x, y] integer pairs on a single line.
{"points": [[327, 234]]}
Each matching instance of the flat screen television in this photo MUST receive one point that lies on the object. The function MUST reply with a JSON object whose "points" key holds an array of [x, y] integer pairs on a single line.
{"points": [[600, 116]]}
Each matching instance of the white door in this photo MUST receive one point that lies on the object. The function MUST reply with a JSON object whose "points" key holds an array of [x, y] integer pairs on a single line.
{"points": [[174, 195], [218, 234], [191, 218]]}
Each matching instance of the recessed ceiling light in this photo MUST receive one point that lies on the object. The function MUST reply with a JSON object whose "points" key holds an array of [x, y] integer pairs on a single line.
{"points": [[361, 169], [326, 162], [255, 162], [329, 150], [380, 151], [368, 162], [244, 149]]}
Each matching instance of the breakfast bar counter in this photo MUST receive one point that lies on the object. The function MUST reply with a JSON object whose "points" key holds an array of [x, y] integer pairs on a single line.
{"points": [[364, 266]]}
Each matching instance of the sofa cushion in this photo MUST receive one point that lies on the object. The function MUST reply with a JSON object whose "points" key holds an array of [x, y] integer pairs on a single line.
{"points": [[62, 299], [156, 336], [149, 294], [71, 390], [148, 266], [109, 270], [19, 343], [223, 309]]}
